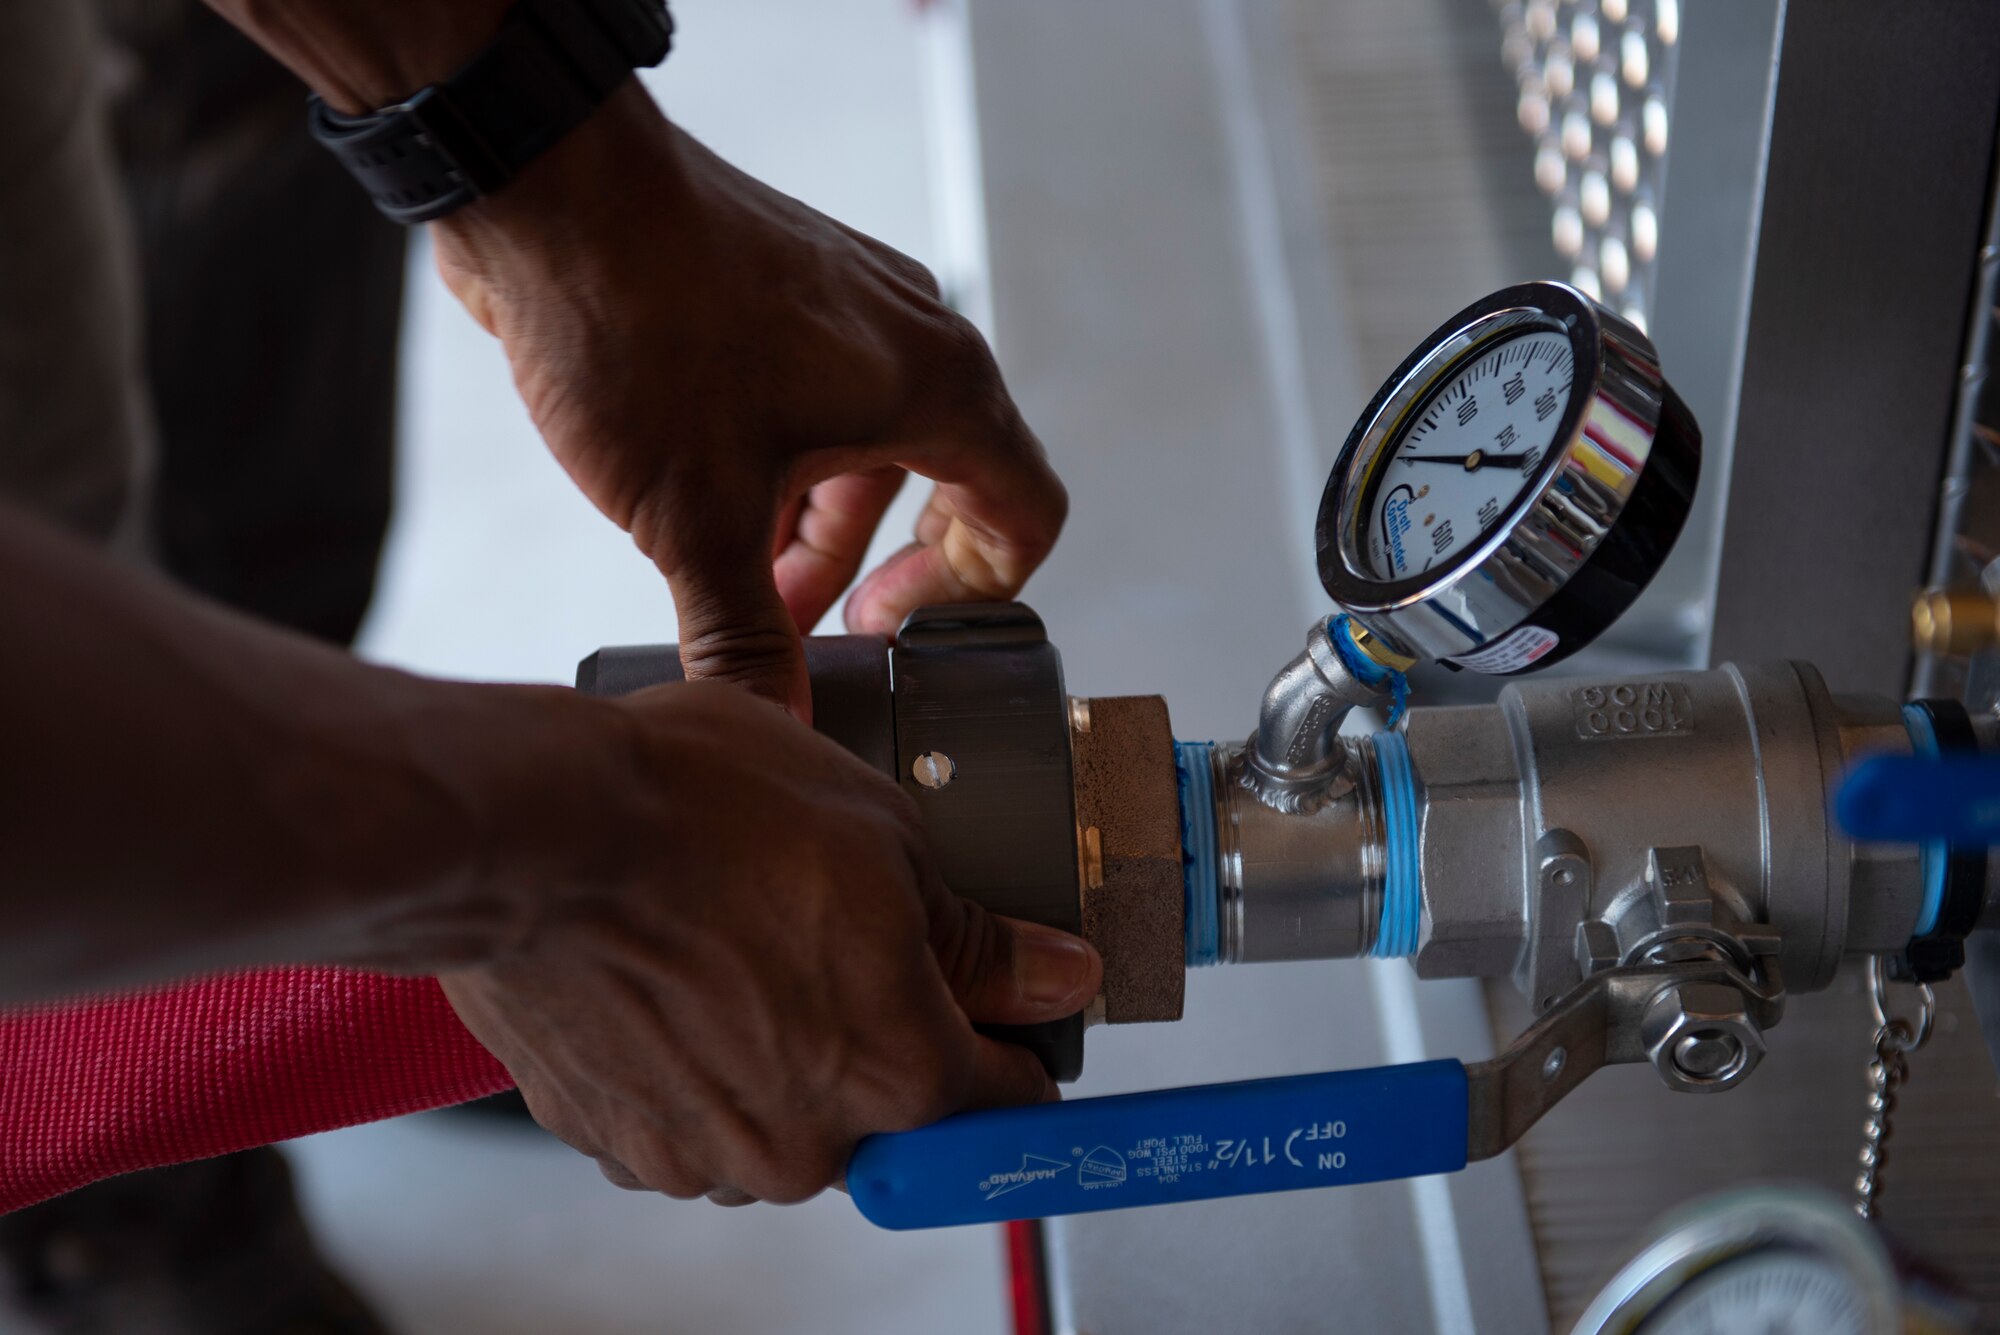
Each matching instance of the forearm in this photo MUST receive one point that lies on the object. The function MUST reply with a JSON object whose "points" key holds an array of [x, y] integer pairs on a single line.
{"points": [[559, 217], [184, 789], [362, 54]]}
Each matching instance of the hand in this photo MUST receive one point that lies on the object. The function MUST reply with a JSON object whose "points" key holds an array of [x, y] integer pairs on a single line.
{"points": [[742, 383], [761, 968]]}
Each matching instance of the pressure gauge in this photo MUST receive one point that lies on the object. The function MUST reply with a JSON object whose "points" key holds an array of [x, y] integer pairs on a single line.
{"points": [[1766, 1261], [1511, 489], [1775, 1291]]}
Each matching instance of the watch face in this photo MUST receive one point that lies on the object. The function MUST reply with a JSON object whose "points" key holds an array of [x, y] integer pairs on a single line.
{"points": [[1468, 453]]}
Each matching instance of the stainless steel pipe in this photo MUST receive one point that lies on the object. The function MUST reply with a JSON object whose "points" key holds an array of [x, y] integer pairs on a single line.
{"points": [[1578, 823]]}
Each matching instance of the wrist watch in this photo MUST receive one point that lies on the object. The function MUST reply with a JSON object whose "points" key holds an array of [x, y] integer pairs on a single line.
{"points": [[549, 67]]}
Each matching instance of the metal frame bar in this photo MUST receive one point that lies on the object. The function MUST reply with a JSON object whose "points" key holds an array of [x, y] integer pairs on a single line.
{"points": [[1875, 191]]}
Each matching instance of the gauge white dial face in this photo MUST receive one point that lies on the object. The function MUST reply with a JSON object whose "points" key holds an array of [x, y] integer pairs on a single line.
{"points": [[1473, 449], [1769, 1293]]}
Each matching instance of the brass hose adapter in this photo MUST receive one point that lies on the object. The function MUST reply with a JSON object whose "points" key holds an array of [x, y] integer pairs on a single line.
{"points": [[1954, 622]]}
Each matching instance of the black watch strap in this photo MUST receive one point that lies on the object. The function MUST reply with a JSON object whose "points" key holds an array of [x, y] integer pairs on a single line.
{"points": [[550, 66]]}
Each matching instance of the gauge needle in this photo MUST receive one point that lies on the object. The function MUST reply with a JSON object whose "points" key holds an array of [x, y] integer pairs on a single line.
{"points": [[1472, 462]]}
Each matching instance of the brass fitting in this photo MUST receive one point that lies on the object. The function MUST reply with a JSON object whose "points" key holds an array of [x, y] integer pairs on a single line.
{"points": [[1954, 622], [1128, 835]]}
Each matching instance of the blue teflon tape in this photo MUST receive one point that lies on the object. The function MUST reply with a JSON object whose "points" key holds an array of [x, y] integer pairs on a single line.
{"points": [[1402, 875], [1198, 870], [1923, 740], [1366, 670]]}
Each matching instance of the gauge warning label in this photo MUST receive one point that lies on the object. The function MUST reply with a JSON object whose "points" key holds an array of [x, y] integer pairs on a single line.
{"points": [[1519, 648]]}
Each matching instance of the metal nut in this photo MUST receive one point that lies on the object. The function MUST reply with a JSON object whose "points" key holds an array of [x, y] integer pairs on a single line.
{"points": [[1700, 1037]]}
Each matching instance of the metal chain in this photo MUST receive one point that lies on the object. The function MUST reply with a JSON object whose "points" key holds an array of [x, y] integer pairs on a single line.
{"points": [[1895, 1039]]}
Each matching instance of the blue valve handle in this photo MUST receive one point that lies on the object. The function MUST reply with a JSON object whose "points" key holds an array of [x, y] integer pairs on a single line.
{"points": [[1904, 799], [1281, 1134]]}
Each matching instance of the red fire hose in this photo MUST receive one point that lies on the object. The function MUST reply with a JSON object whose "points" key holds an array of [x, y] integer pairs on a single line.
{"points": [[94, 1088]]}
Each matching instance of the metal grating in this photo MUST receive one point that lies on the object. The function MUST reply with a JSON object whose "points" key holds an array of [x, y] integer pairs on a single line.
{"points": [[1594, 80], [1967, 550], [1419, 172]]}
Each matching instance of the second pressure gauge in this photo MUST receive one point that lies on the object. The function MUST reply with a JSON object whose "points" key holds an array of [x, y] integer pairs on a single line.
{"points": [[1769, 1261], [1512, 488]]}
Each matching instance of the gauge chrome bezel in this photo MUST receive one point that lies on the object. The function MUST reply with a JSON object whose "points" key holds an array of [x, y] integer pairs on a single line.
{"points": [[1572, 549], [1734, 1226]]}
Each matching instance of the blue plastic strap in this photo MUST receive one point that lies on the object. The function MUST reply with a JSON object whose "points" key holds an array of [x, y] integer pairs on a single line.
{"points": [[1402, 878], [1936, 854], [1198, 869], [1366, 670], [1923, 737], [1192, 1144]]}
